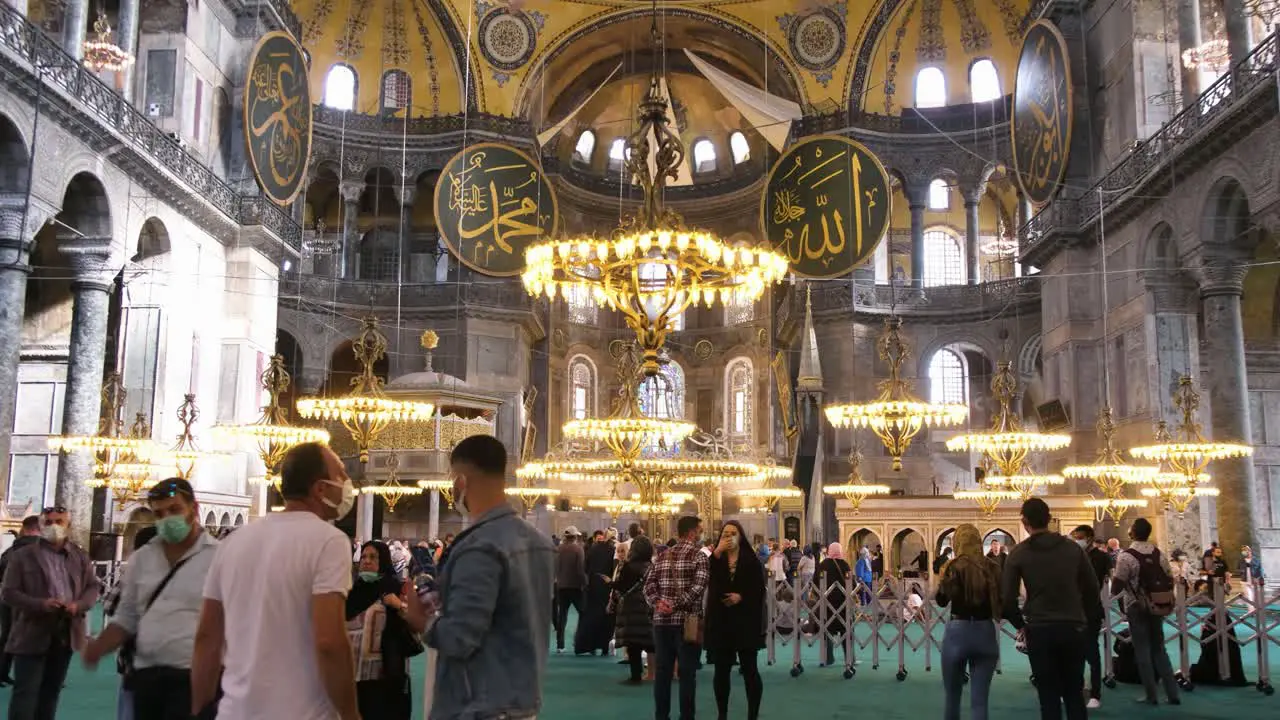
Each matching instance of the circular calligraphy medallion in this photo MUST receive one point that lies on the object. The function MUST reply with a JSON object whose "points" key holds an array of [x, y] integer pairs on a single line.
{"points": [[703, 349], [492, 202], [1043, 115], [507, 39], [825, 205], [277, 116], [817, 40]]}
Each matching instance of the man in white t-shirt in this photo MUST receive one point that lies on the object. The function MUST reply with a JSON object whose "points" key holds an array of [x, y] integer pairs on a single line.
{"points": [[275, 596]]}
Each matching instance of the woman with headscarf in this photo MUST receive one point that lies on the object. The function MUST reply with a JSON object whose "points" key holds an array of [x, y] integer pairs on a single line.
{"points": [[970, 584], [595, 626], [735, 617], [865, 577], [379, 636], [834, 572], [634, 627]]}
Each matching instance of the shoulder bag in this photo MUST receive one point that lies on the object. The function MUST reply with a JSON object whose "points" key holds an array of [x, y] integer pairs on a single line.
{"points": [[124, 658]]}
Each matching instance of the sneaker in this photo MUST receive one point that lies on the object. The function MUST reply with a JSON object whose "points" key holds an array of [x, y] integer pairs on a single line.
{"points": [[1094, 704]]}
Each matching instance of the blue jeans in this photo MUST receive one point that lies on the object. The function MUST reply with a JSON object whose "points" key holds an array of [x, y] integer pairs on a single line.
{"points": [[972, 643], [1150, 654], [670, 647], [37, 683]]}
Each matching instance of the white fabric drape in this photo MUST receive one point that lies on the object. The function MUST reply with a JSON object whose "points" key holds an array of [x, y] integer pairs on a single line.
{"points": [[545, 136], [770, 115]]}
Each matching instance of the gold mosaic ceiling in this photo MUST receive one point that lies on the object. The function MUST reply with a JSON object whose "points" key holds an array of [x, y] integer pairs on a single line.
{"points": [[820, 52]]}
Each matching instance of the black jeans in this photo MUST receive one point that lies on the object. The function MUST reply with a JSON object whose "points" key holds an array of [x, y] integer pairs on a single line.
{"points": [[747, 659], [636, 661], [670, 647], [37, 683], [1093, 657], [161, 693], [6, 660], [1056, 652], [565, 598]]}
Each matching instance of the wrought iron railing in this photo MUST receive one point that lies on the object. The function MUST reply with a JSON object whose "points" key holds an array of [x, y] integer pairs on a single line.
{"points": [[478, 122], [54, 67], [508, 295], [1081, 208], [952, 119], [952, 300]]}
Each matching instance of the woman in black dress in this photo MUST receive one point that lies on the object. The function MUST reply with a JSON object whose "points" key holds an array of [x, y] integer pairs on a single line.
{"points": [[834, 572], [735, 617], [634, 627], [379, 634], [595, 627]]}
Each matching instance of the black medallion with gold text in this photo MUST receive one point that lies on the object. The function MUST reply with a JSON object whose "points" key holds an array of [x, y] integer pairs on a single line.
{"points": [[277, 116], [1042, 112], [825, 206], [492, 202]]}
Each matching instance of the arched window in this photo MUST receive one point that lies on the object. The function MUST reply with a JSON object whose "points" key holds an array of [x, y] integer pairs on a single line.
{"points": [[582, 388], [739, 408], [586, 145], [704, 156], [943, 258], [340, 88], [948, 380], [939, 195], [396, 90], [931, 88], [984, 83], [662, 396], [739, 147], [740, 309], [380, 257], [617, 153]]}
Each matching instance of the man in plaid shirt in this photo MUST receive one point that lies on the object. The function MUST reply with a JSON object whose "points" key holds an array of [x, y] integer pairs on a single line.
{"points": [[676, 588]]}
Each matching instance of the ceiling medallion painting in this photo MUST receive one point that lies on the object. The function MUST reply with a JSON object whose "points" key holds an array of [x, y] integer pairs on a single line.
{"points": [[508, 38], [1042, 112], [277, 116], [817, 39]]}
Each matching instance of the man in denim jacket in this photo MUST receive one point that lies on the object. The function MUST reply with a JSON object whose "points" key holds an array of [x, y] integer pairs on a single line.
{"points": [[493, 630]]}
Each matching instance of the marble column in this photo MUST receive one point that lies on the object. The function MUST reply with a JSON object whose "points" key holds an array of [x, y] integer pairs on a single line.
{"points": [[1221, 287], [1239, 33], [15, 254], [364, 517], [433, 519], [917, 242], [350, 250], [405, 195], [91, 299], [75, 22], [1188, 39], [127, 38], [973, 255]]}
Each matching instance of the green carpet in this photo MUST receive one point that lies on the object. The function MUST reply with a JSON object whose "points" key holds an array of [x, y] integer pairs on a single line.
{"points": [[587, 688]]}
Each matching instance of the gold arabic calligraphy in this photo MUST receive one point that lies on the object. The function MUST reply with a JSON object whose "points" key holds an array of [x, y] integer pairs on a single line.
{"points": [[1042, 124], [278, 113], [495, 205]]}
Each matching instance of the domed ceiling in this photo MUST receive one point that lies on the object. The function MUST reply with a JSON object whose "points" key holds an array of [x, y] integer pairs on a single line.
{"points": [[524, 54]]}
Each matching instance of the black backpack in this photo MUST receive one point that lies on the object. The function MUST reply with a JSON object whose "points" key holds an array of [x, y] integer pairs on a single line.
{"points": [[1153, 588]]}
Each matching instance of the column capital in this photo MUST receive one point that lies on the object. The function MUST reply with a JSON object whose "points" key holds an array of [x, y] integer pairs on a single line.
{"points": [[1221, 276], [91, 260], [406, 194], [351, 190], [1170, 292], [972, 191]]}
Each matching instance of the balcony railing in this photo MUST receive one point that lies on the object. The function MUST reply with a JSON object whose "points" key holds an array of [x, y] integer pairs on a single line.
{"points": [[275, 13], [50, 65], [366, 123], [951, 119], [508, 295], [956, 302], [1072, 211]]}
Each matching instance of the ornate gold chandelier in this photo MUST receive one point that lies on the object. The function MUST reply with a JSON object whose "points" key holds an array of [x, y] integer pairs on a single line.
{"points": [[1188, 453], [132, 472], [367, 410], [1006, 443], [987, 499], [1025, 484], [1110, 472], [445, 488], [653, 267], [114, 452], [187, 452], [896, 416], [856, 490], [100, 52], [391, 490], [273, 432]]}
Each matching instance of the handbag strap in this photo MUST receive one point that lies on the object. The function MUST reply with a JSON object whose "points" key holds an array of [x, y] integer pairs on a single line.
{"points": [[163, 583]]}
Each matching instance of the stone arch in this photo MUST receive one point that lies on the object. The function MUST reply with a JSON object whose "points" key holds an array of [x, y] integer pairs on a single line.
{"points": [[858, 539], [239, 520], [288, 347], [86, 208], [905, 547], [153, 241], [945, 539], [210, 520], [1007, 538], [1159, 252], [225, 520], [1226, 221], [15, 158]]}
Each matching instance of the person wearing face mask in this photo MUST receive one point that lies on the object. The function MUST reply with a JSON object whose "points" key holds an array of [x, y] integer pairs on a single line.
{"points": [[274, 622], [492, 631], [380, 635], [735, 609], [159, 608], [1101, 562], [50, 585]]}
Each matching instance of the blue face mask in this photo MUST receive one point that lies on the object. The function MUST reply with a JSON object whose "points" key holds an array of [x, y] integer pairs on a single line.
{"points": [[369, 576], [173, 529]]}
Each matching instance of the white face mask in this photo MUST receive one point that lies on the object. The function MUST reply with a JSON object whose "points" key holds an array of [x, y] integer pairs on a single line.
{"points": [[343, 506], [1084, 544], [54, 533]]}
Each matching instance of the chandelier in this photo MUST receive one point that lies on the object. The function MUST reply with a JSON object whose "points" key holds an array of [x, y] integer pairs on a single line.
{"points": [[111, 447], [895, 416], [367, 410], [1006, 443], [856, 490], [392, 490], [1115, 507], [1179, 497], [653, 267], [1188, 453], [1110, 472], [530, 496], [987, 499], [613, 505], [186, 452], [272, 432], [100, 53], [1213, 55], [770, 496], [444, 487], [132, 472], [1024, 484]]}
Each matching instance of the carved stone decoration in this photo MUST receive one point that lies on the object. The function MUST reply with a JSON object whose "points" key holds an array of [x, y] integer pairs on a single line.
{"points": [[817, 40], [617, 348], [559, 339], [507, 38], [703, 349]]}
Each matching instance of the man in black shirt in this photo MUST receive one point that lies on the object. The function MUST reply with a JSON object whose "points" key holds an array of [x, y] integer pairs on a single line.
{"points": [[1100, 561], [1062, 604]]}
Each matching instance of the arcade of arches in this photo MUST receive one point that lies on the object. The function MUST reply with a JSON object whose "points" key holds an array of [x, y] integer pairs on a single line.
{"points": [[137, 245]]}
